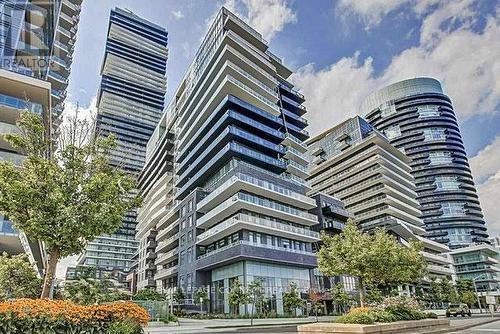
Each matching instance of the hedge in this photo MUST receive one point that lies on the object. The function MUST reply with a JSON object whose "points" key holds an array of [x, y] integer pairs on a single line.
{"points": [[57, 316]]}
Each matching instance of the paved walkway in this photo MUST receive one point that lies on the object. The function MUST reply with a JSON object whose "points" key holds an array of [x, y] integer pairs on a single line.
{"points": [[223, 325], [289, 325]]}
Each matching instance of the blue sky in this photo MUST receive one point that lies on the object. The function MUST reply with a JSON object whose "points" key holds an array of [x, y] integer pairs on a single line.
{"points": [[342, 50]]}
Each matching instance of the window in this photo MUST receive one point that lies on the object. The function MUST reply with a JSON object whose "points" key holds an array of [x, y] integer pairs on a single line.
{"points": [[387, 109], [189, 255], [190, 221], [183, 224], [182, 258], [452, 209], [190, 206], [392, 132], [428, 111], [190, 236], [182, 241], [440, 158], [183, 211], [434, 134], [446, 183]]}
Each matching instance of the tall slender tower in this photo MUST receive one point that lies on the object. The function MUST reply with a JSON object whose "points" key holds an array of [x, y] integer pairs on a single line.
{"points": [[418, 118], [240, 211], [130, 103]]}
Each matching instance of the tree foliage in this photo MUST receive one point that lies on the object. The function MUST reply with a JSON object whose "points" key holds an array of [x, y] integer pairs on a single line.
{"points": [[149, 294], [88, 289], [179, 296], [291, 299], [65, 198], [237, 296], [374, 259], [18, 278]]}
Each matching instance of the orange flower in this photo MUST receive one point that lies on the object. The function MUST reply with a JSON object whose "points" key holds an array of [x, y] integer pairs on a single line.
{"points": [[73, 313]]}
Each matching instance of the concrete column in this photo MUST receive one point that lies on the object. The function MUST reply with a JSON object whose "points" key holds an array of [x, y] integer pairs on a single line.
{"points": [[226, 295]]}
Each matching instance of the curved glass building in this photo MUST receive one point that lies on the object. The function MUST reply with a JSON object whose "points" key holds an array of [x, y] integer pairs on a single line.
{"points": [[418, 118]]}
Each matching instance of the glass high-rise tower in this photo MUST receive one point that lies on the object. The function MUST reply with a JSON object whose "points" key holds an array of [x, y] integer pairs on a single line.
{"points": [[239, 210], [130, 103], [418, 118]]}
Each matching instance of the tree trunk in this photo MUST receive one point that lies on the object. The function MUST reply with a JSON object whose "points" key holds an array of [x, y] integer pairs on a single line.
{"points": [[50, 272], [361, 288]]}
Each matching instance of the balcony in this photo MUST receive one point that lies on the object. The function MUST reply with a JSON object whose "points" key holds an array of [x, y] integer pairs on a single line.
{"points": [[20, 104], [166, 257], [168, 243], [434, 269], [243, 249], [294, 142], [264, 206], [297, 169], [166, 272], [244, 182], [296, 155], [256, 224], [168, 231]]}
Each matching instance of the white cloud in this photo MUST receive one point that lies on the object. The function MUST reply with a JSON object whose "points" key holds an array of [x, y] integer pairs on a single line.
{"points": [[489, 194], [486, 169], [334, 93], [487, 161], [177, 14], [370, 12], [268, 17], [466, 62]]}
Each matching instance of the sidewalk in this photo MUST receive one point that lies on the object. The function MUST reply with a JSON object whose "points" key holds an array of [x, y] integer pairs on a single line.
{"points": [[217, 325]]}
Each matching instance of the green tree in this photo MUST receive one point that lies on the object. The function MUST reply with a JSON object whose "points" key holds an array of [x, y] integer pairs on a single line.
{"points": [[466, 292], [339, 296], [202, 296], [18, 279], [88, 289], [316, 301], [179, 296], [448, 292], [237, 296], [291, 299], [148, 294], [65, 198], [255, 297], [375, 258]]}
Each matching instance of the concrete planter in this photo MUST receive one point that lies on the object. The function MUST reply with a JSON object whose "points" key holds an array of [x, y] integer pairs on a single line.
{"points": [[393, 327]]}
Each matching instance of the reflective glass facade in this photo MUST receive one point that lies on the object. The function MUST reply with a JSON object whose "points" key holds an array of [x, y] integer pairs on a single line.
{"points": [[424, 126], [130, 103]]}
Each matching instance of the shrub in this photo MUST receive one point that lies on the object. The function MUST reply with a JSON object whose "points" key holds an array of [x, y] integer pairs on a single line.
{"points": [[169, 318], [361, 317], [48, 316], [390, 310], [431, 315]]}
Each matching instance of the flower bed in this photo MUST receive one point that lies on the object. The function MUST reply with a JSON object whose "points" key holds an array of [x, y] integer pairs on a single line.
{"points": [[57, 316], [390, 310]]}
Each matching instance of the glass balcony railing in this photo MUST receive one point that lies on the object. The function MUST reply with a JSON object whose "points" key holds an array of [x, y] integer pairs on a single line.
{"points": [[14, 102]]}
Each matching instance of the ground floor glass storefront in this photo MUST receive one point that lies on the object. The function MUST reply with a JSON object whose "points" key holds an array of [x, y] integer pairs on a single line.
{"points": [[275, 279]]}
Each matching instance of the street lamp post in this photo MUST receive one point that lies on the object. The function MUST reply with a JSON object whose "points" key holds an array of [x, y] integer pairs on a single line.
{"points": [[477, 295]]}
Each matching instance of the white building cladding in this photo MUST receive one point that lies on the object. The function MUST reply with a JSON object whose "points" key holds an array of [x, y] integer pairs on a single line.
{"points": [[358, 165], [239, 210], [130, 103]]}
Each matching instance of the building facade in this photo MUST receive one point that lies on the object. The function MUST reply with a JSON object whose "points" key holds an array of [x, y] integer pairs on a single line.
{"points": [[130, 103], [239, 210], [38, 40], [479, 263], [356, 164], [20, 93], [418, 118], [36, 47]]}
